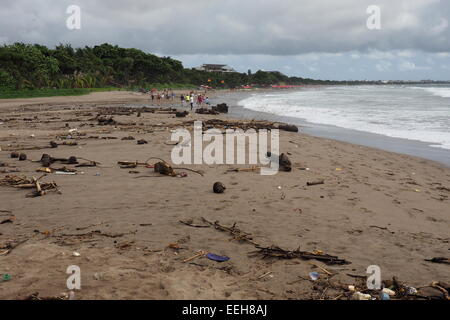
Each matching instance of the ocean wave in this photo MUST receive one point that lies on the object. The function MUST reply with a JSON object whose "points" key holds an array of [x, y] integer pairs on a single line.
{"points": [[440, 92], [384, 112]]}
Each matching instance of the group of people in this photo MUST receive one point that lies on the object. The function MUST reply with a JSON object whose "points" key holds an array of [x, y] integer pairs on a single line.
{"points": [[192, 98], [166, 94]]}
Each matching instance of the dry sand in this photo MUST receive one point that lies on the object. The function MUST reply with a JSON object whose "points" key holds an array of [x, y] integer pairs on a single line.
{"points": [[375, 208]]}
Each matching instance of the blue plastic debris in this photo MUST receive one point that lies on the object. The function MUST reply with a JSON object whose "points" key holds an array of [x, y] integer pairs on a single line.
{"points": [[217, 258]]}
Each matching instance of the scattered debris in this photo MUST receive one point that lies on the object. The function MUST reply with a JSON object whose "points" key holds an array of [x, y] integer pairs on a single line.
{"points": [[105, 121], [87, 164], [314, 276], [214, 257], [190, 224], [182, 114], [236, 124], [8, 220], [65, 173], [237, 234], [252, 169], [276, 252], [315, 183], [219, 187], [26, 183], [206, 111], [22, 157], [283, 161], [47, 160], [6, 277], [221, 108], [35, 296], [10, 246], [361, 296], [164, 168], [288, 127], [142, 141], [439, 260], [199, 254]]}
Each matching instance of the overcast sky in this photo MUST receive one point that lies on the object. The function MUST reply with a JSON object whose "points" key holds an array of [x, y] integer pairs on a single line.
{"points": [[323, 39]]}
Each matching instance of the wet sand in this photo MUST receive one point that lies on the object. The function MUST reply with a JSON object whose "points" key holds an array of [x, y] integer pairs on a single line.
{"points": [[375, 208]]}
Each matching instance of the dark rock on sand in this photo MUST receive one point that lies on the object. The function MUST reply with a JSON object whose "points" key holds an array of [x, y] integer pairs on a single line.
{"points": [[106, 121], [288, 127], [206, 111], [182, 114], [221, 108], [285, 163], [142, 141], [219, 187]]}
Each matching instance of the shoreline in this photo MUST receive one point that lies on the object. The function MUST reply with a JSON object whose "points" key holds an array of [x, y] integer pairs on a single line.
{"points": [[375, 208], [414, 148]]}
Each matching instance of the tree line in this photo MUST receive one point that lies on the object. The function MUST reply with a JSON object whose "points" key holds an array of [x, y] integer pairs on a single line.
{"points": [[34, 66]]}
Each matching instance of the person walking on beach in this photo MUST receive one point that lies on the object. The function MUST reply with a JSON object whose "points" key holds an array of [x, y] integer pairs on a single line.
{"points": [[183, 100], [191, 100]]}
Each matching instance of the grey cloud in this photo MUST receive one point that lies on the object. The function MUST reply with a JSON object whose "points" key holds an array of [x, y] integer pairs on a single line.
{"points": [[285, 27], [325, 39]]}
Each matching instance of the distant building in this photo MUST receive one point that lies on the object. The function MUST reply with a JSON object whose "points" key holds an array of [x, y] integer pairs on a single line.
{"points": [[216, 68]]}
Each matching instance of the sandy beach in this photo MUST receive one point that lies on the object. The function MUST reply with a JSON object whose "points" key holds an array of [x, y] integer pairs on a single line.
{"points": [[374, 208]]}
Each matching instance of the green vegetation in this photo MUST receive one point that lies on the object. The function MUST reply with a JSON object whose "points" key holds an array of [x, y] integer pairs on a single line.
{"points": [[34, 70], [33, 93]]}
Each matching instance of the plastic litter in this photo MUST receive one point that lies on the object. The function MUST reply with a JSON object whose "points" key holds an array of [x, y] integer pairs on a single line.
{"points": [[411, 290], [314, 276], [361, 296], [65, 173], [389, 292], [384, 296], [214, 257], [6, 277]]}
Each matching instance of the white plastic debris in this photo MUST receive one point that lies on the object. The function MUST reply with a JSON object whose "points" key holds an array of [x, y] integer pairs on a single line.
{"points": [[389, 292], [65, 173], [411, 290], [76, 254], [361, 296], [314, 276], [384, 296]]}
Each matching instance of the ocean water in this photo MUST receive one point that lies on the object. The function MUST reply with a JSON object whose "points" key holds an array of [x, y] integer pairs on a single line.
{"points": [[419, 113]]}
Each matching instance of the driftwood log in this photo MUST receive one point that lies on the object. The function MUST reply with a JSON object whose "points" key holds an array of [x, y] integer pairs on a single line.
{"points": [[276, 252]]}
